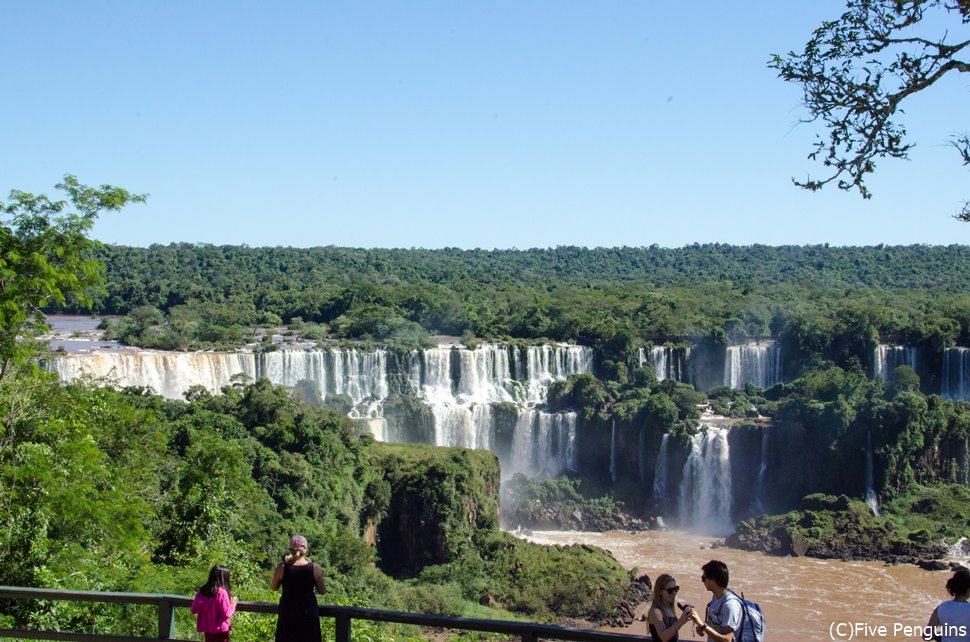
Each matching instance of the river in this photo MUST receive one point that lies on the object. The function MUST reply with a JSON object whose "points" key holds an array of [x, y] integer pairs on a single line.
{"points": [[802, 598]]}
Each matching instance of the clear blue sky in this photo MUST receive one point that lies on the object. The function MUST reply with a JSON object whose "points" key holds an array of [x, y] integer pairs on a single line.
{"points": [[493, 124]]}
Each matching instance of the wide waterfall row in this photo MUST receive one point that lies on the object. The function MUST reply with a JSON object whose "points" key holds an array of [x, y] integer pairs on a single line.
{"points": [[361, 376], [459, 386], [886, 359], [956, 374], [169, 374]]}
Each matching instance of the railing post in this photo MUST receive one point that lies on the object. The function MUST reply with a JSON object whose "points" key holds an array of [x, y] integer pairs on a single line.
{"points": [[166, 620], [529, 636], [342, 632]]}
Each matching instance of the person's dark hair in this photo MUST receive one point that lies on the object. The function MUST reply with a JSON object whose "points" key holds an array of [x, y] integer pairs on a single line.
{"points": [[218, 577], [959, 584], [718, 571]]}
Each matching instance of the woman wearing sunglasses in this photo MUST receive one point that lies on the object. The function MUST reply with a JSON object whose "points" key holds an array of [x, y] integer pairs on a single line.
{"points": [[661, 619]]}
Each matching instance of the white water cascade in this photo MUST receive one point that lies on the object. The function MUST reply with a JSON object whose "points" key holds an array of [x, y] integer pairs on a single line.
{"points": [[460, 386], [759, 364], [871, 498], [667, 362], [169, 374], [705, 487], [886, 358], [956, 374], [543, 444], [362, 376], [660, 472]]}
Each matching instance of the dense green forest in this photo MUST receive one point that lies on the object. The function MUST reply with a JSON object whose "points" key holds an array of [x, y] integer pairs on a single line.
{"points": [[125, 491], [823, 303], [122, 490]]}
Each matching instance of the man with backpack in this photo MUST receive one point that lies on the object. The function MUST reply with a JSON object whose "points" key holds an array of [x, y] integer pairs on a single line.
{"points": [[729, 617], [724, 613]]}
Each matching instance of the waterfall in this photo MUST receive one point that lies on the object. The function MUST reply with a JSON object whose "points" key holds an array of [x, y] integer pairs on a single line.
{"points": [[759, 488], [759, 364], [333, 371], [460, 386], [871, 498], [463, 426], [660, 472], [667, 362], [958, 548], [169, 374], [541, 365], [543, 443], [956, 374], [705, 487], [448, 375], [360, 376], [885, 360], [613, 452]]}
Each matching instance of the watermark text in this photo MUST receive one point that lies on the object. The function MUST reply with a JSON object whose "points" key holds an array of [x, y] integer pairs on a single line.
{"points": [[844, 631]]}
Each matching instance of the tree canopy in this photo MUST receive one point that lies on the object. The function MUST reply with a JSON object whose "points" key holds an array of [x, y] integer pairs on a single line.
{"points": [[857, 72], [46, 257]]}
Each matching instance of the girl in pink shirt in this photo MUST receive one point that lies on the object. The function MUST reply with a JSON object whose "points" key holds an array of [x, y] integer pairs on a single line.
{"points": [[213, 605]]}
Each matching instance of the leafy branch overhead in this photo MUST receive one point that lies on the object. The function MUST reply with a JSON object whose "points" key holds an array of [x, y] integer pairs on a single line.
{"points": [[857, 71], [46, 257]]}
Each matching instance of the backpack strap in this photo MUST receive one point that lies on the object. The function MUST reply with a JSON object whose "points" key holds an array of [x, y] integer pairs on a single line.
{"points": [[744, 617]]}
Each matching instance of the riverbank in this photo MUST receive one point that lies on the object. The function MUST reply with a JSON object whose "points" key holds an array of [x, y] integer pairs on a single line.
{"points": [[800, 596]]}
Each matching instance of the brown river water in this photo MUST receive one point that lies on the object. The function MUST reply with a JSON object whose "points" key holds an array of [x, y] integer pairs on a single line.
{"points": [[802, 598]]}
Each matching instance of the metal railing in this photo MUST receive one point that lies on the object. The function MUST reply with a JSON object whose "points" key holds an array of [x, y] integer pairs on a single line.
{"points": [[343, 618]]}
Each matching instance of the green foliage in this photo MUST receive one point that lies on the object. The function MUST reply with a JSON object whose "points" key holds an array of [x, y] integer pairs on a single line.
{"points": [[442, 502], [46, 258], [578, 581], [108, 490], [912, 526], [941, 512], [618, 299], [551, 503]]}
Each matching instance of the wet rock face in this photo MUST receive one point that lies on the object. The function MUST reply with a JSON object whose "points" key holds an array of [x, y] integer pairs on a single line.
{"points": [[554, 517], [782, 542]]}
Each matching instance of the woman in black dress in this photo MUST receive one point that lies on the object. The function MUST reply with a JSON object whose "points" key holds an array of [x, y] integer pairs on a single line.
{"points": [[298, 620]]}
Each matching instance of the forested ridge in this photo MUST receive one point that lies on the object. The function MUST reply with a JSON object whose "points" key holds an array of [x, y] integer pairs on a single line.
{"points": [[827, 303], [217, 272]]}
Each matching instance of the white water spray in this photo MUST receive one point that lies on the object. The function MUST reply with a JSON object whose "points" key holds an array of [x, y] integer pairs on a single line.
{"points": [[660, 471], [871, 498], [705, 488]]}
